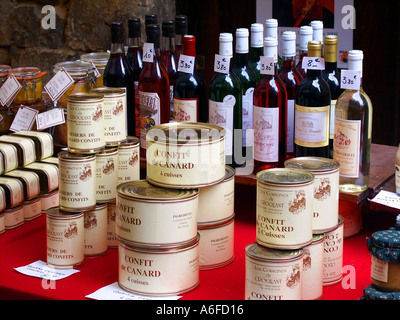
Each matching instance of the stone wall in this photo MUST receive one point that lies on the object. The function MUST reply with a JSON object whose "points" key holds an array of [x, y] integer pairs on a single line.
{"points": [[80, 26]]}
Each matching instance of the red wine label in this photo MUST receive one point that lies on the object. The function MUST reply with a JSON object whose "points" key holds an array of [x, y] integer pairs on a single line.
{"points": [[346, 146], [185, 110], [149, 113], [266, 134], [311, 126]]}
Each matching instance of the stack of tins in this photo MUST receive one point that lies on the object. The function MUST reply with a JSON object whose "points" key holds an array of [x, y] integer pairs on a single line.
{"points": [[299, 244], [25, 181], [98, 157], [166, 227]]}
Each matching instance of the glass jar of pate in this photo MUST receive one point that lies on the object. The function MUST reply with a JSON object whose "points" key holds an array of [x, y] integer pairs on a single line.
{"points": [[384, 247], [83, 75], [30, 78], [273, 274], [4, 72], [99, 60], [372, 293]]}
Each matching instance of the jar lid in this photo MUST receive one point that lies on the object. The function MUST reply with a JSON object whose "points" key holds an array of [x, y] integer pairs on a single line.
{"points": [[385, 245], [372, 293], [75, 68], [4, 69], [27, 73], [99, 59]]}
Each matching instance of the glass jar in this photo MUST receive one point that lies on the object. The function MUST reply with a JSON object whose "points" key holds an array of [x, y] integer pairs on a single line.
{"points": [[30, 78], [4, 71], [83, 75], [384, 247], [100, 60]]}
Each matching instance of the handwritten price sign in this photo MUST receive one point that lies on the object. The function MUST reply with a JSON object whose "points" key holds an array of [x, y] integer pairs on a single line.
{"points": [[186, 64], [313, 63], [267, 65], [350, 79], [222, 63], [148, 52]]}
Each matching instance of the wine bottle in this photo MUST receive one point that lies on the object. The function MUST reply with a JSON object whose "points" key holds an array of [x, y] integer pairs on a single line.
{"points": [[271, 30], [248, 81], [318, 31], [353, 130], [154, 96], [190, 91], [270, 107], [168, 57], [291, 78], [150, 18], [256, 48], [181, 28], [306, 34], [225, 99], [118, 74], [332, 77], [312, 108], [134, 58]]}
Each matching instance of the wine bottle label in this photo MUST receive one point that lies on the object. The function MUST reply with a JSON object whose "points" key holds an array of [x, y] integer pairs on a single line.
{"points": [[346, 146], [221, 114], [266, 134], [290, 127], [185, 110], [332, 120], [149, 113], [311, 126], [247, 117]]}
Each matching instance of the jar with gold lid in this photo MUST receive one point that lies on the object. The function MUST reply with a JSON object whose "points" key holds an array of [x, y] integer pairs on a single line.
{"points": [[384, 247], [83, 75], [4, 71], [30, 78], [100, 60]]}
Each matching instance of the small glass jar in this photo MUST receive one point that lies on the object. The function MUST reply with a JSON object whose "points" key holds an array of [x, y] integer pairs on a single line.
{"points": [[83, 75], [4, 71], [100, 60], [30, 79], [384, 247]]}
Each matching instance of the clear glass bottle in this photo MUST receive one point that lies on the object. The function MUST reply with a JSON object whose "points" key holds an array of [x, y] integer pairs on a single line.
{"points": [[248, 82], [306, 34], [353, 133], [256, 48], [225, 101]]}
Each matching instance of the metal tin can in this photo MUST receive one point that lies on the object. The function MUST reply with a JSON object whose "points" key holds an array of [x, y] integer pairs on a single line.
{"points": [[44, 146], [333, 254], [112, 241], [313, 266], [30, 182], [216, 248], [106, 175], [85, 123], [49, 200], [2, 223], [14, 190], [284, 208], [185, 155], [154, 216], [9, 157], [48, 175], [129, 160], [14, 217], [114, 114], [273, 274], [158, 271], [216, 202], [326, 189], [3, 199], [32, 208], [25, 148], [65, 238], [95, 224], [77, 185]]}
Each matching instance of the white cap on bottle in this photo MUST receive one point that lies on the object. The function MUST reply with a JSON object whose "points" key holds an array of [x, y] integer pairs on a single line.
{"points": [[271, 48], [355, 59], [289, 44], [318, 30], [271, 28], [225, 44], [242, 40], [306, 34], [257, 35]]}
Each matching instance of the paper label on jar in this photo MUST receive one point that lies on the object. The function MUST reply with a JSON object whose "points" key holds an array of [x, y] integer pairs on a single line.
{"points": [[9, 90], [59, 84], [24, 119], [150, 108], [185, 110], [346, 149], [266, 134], [50, 118], [379, 269]]}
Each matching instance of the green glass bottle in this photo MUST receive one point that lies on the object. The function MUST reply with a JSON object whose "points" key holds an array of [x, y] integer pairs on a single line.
{"points": [[225, 100], [256, 48]]}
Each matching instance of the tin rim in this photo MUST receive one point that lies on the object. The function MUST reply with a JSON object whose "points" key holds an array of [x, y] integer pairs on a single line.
{"points": [[216, 224], [75, 157], [59, 214], [180, 133], [261, 253], [183, 186], [285, 177], [108, 91], [143, 191], [129, 142], [313, 164], [111, 151], [85, 97]]}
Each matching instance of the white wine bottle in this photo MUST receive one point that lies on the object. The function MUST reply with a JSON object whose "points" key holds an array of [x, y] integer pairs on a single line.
{"points": [[353, 129]]}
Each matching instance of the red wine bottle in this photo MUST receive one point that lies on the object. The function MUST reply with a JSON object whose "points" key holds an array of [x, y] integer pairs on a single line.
{"points": [[270, 107], [312, 108], [168, 57], [134, 57], [271, 30], [306, 34], [291, 78], [118, 73], [190, 91], [154, 96]]}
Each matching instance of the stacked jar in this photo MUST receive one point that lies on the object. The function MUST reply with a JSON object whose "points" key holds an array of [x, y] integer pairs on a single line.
{"points": [[157, 218]]}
